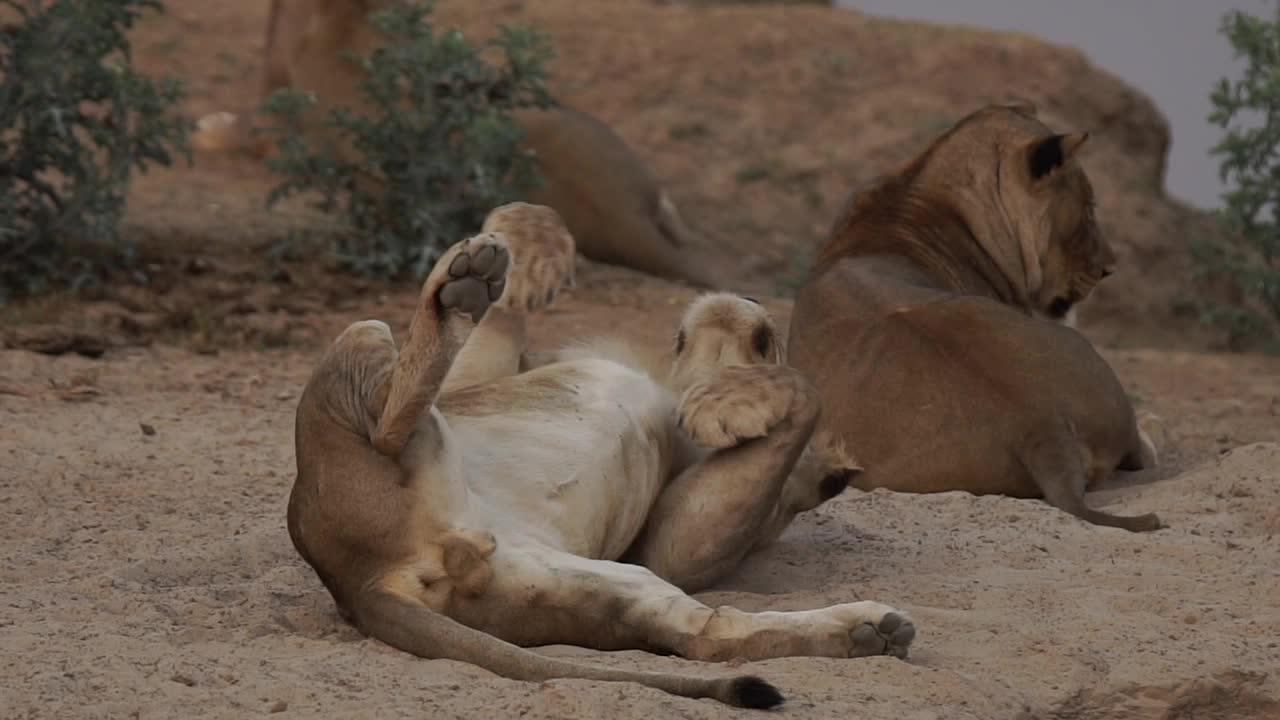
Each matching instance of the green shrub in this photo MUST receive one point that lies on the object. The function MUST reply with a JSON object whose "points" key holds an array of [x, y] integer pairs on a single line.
{"points": [[439, 144], [75, 122], [1250, 164]]}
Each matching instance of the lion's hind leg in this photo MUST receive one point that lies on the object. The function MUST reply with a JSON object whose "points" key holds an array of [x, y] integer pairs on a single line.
{"points": [[457, 293], [541, 596]]}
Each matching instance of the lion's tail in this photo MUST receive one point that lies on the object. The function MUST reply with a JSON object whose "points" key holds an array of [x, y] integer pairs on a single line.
{"points": [[684, 252], [409, 626]]}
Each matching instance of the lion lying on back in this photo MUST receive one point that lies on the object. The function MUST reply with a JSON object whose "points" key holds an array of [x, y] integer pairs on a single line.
{"points": [[614, 207], [456, 507], [927, 324]]}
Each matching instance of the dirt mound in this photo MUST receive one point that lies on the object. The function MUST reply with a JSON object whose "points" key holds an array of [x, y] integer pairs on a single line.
{"points": [[1227, 696], [761, 119]]}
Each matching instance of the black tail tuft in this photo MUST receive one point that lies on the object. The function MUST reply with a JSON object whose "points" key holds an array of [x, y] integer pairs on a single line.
{"points": [[836, 482], [750, 691]]}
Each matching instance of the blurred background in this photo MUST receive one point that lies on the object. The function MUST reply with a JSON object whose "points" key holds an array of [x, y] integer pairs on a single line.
{"points": [[1169, 49], [756, 119]]}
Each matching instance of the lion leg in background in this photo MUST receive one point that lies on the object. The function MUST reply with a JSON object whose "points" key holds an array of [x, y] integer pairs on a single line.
{"points": [[1057, 466], [234, 131], [275, 74], [614, 606], [542, 263]]}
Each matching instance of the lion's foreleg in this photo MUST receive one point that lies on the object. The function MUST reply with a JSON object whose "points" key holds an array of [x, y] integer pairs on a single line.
{"points": [[758, 419], [542, 256], [825, 469], [493, 350]]}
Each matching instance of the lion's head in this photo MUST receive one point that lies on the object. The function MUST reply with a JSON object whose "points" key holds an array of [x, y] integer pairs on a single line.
{"points": [[722, 329], [1049, 201], [1018, 190]]}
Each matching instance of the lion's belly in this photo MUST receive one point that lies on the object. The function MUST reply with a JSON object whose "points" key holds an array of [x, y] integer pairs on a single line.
{"points": [[579, 474]]}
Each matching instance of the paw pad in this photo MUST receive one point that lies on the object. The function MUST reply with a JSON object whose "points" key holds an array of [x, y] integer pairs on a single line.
{"points": [[892, 635], [476, 277]]}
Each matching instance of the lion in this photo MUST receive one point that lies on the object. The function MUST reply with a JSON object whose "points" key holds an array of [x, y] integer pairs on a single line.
{"points": [[458, 505], [615, 208], [934, 324]]}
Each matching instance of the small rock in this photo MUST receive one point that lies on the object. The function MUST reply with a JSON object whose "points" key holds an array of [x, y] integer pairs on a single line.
{"points": [[78, 394], [147, 430], [279, 707], [284, 394]]}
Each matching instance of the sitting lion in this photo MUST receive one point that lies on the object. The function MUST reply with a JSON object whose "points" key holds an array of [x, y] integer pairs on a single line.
{"points": [[456, 507], [611, 202], [926, 324]]}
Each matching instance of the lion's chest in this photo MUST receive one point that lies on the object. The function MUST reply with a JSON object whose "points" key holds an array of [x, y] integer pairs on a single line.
{"points": [[582, 476]]}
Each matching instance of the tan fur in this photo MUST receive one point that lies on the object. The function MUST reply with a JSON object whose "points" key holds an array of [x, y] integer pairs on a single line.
{"points": [[498, 517], [926, 323], [616, 210], [729, 331]]}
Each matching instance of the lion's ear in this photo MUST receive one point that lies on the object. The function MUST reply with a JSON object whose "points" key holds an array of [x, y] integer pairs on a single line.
{"points": [[1048, 154]]}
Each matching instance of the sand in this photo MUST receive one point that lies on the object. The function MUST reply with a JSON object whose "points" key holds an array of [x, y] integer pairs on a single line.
{"points": [[145, 570]]}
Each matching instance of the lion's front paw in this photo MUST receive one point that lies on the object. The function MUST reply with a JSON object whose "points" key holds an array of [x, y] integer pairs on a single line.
{"points": [[740, 403], [875, 629], [542, 253], [470, 276]]}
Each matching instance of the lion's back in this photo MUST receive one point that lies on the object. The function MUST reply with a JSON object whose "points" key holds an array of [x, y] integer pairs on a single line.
{"points": [[962, 372]]}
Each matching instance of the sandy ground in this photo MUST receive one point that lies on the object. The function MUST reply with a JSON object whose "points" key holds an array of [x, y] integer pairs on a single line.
{"points": [[146, 571]]}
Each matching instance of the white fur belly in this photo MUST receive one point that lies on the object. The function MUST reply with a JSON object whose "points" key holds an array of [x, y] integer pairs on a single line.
{"points": [[580, 476]]}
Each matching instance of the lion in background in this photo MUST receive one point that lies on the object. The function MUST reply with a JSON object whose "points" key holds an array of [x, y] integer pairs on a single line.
{"points": [[458, 507], [933, 324], [615, 208]]}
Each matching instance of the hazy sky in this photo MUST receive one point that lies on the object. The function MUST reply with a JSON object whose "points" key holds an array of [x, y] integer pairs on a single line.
{"points": [[1170, 49]]}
